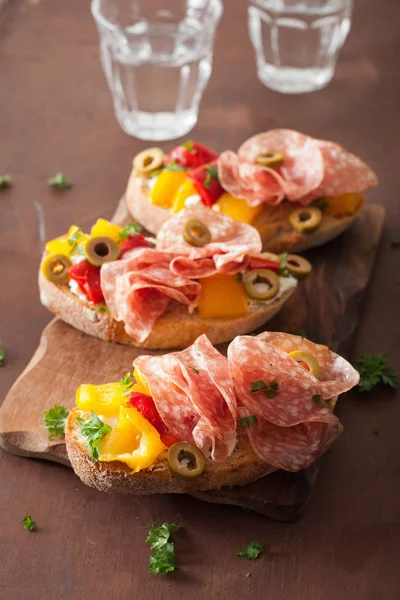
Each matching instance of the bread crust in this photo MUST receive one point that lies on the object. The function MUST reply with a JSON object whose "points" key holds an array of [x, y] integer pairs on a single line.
{"points": [[174, 329], [242, 467], [285, 239]]}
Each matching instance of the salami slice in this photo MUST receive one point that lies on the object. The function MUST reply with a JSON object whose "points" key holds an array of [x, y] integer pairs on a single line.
{"points": [[231, 243], [290, 404], [194, 396], [138, 289], [311, 168]]}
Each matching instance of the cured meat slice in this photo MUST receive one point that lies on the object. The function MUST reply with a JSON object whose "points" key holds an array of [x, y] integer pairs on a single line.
{"points": [[311, 168], [138, 288], [231, 243], [194, 395], [289, 401]]}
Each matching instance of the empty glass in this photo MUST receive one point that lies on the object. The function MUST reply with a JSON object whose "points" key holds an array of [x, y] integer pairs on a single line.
{"points": [[157, 58], [297, 42]]}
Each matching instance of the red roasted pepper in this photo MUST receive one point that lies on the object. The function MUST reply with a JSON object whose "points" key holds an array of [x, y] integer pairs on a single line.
{"points": [[87, 277], [145, 405], [191, 155], [135, 241], [205, 180], [258, 262]]}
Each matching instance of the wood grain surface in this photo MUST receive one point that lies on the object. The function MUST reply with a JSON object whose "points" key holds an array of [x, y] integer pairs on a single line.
{"points": [[56, 115]]}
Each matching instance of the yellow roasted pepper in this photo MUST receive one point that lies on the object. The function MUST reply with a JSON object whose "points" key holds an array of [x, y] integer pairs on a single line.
{"points": [[186, 190], [166, 186], [141, 386], [345, 205], [67, 244], [102, 227], [133, 441], [104, 399], [237, 209], [222, 297]]}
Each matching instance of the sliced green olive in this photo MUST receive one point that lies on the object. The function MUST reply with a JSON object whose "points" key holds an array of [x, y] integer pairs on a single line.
{"points": [[307, 360], [185, 461], [148, 160], [261, 284], [270, 159], [298, 266], [102, 249], [55, 268], [306, 219], [196, 233]]}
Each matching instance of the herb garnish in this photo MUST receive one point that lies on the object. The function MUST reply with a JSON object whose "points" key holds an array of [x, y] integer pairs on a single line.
{"points": [[73, 240], [282, 271], [189, 146], [212, 173], [163, 559], [318, 400], [93, 429], [173, 166], [239, 277], [321, 204], [129, 231], [374, 369], [5, 181], [247, 574], [193, 369], [2, 355], [127, 384], [103, 308], [54, 420], [247, 421], [374, 430], [302, 333], [270, 390], [28, 523], [60, 182], [252, 551]]}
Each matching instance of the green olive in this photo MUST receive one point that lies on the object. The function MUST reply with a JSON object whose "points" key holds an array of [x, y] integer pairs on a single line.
{"points": [[102, 249], [261, 284], [308, 359], [298, 266], [196, 233], [55, 268], [306, 219], [185, 461], [148, 160], [270, 159]]}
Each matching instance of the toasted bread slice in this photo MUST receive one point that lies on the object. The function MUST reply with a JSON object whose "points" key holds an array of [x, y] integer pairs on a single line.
{"points": [[276, 233], [176, 328], [242, 467]]}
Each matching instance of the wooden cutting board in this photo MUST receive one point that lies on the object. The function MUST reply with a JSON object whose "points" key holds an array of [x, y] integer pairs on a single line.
{"points": [[326, 306]]}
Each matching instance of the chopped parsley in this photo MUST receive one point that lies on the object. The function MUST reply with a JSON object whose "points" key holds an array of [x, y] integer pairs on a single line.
{"points": [[282, 271], [374, 431], [60, 182], [94, 430], [163, 558], [193, 369], [374, 369], [270, 390], [28, 523], [2, 355], [252, 551], [54, 420], [189, 146], [248, 574], [318, 400], [212, 173], [247, 421], [129, 231], [103, 308], [302, 333], [5, 181], [127, 384], [73, 240], [173, 166]]}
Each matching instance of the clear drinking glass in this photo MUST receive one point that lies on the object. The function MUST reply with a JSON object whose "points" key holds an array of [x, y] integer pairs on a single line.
{"points": [[157, 58], [297, 42]]}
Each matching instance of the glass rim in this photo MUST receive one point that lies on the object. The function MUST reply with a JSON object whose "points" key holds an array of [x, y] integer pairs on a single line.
{"points": [[104, 22]]}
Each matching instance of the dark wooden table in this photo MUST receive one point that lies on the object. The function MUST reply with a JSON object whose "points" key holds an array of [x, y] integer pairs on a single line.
{"points": [[56, 115]]}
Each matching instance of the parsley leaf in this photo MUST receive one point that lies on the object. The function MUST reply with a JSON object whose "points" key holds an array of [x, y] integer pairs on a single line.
{"points": [[318, 400], [193, 369], [73, 240], [28, 523], [2, 355], [5, 181], [163, 560], [54, 420], [212, 173], [60, 182], [282, 271], [270, 390], [374, 369], [101, 308], [93, 429], [247, 574], [302, 333], [127, 383], [374, 431], [174, 166], [247, 421], [129, 231], [159, 534], [189, 146], [252, 551]]}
